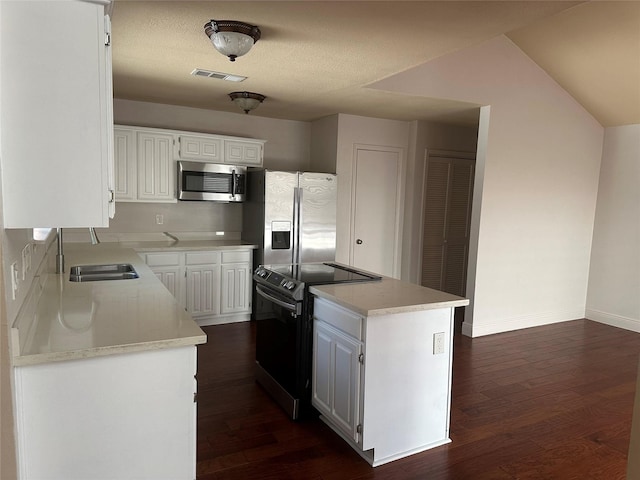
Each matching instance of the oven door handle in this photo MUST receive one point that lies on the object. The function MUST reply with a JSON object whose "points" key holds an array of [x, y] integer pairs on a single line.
{"points": [[292, 307]]}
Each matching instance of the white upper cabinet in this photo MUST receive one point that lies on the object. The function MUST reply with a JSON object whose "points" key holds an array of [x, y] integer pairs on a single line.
{"points": [[205, 148], [144, 165], [156, 172], [145, 159], [126, 165], [57, 114], [220, 149], [243, 152]]}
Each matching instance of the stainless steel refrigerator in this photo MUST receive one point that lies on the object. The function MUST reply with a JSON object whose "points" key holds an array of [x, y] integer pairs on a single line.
{"points": [[291, 216]]}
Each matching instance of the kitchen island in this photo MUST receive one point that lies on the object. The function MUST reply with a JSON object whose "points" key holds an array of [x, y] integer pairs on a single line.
{"points": [[382, 365], [104, 374]]}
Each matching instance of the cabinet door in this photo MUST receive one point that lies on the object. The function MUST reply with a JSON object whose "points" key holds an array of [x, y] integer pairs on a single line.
{"points": [[106, 408], [203, 290], [336, 377], [108, 102], [155, 167], [55, 115], [126, 174], [235, 285], [171, 278], [205, 148], [242, 153]]}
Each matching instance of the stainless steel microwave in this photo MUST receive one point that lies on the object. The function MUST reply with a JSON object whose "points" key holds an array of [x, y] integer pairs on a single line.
{"points": [[211, 181]]}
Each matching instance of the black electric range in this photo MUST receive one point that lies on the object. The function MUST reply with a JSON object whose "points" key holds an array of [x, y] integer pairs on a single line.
{"points": [[284, 336]]}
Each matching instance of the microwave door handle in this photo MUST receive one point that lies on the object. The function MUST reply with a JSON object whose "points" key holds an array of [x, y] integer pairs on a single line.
{"points": [[234, 179]]}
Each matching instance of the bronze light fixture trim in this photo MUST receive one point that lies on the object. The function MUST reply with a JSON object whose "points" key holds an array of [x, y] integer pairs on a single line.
{"points": [[232, 38], [247, 101]]}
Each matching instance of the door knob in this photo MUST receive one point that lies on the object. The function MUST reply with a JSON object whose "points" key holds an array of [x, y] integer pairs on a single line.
{"points": [[359, 242]]}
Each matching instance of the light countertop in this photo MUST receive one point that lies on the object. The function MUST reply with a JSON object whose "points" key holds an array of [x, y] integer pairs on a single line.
{"points": [[387, 296], [87, 319]]}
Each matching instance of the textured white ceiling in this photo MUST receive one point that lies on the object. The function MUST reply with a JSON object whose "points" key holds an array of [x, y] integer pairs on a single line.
{"points": [[316, 58]]}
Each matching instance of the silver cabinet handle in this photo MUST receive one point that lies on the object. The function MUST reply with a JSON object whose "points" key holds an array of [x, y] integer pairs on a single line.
{"points": [[359, 242]]}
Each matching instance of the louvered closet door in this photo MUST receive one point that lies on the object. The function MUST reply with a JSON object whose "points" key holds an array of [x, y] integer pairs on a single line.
{"points": [[447, 214]]}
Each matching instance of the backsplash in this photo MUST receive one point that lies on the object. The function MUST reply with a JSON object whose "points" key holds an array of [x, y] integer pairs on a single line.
{"points": [[175, 217]]}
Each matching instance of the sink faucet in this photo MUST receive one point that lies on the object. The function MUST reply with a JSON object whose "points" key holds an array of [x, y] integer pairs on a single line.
{"points": [[60, 255], [94, 236]]}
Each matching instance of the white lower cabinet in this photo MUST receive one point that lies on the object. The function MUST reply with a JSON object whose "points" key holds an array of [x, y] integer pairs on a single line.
{"points": [[203, 283], [378, 382], [213, 285], [169, 268], [336, 377], [236, 282], [130, 415]]}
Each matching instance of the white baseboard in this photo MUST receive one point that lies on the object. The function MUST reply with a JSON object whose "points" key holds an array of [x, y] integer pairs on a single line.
{"points": [[479, 329], [217, 320], [614, 320]]}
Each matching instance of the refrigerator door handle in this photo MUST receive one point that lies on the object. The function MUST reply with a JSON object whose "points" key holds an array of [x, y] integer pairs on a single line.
{"points": [[297, 218]]}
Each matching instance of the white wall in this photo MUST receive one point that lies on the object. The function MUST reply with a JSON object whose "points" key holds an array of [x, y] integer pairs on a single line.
{"points": [[536, 183], [614, 277], [324, 144], [426, 136], [354, 130]]}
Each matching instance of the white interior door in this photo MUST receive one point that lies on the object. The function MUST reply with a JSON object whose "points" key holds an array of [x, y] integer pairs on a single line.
{"points": [[375, 237]]}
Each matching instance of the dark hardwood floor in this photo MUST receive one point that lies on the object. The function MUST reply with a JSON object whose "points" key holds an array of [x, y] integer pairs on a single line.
{"points": [[552, 402]]}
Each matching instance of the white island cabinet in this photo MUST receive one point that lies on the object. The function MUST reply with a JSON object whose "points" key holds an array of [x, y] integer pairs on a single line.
{"points": [[57, 114], [382, 360]]}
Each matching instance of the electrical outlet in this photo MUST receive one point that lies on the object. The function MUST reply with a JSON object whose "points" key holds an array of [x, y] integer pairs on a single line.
{"points": [[159, 219], [438, 343], [14, 279]]}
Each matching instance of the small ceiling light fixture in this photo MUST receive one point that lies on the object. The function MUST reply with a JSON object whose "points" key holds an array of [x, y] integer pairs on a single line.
{"points": [[232, 38], [247, 101]]}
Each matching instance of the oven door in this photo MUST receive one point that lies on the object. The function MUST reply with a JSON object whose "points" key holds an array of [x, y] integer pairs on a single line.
{"points": [[280, 351]]}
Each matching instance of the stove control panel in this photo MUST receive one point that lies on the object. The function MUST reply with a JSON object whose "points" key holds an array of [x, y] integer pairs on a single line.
{"points": [[276, 279]]}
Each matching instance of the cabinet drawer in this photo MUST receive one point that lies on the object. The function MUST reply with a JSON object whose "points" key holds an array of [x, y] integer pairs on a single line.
{"points": [[236, 256], [341, 318], [202, 258], [162, 259]]}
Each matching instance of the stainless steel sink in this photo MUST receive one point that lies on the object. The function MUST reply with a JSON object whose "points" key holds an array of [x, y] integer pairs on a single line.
{"points": [[94, 273]]}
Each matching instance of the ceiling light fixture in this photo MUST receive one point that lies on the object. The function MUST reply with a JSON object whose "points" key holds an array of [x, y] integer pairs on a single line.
{"points": [[232, 38], [247, 101]]}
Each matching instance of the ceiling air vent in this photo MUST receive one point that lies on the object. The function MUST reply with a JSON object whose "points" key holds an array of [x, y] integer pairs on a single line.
{"points": [[198, 72]]}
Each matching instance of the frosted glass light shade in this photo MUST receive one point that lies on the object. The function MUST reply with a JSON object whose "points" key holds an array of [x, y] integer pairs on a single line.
{"points": [[232, 44], [232, 38], [247, 101]]}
